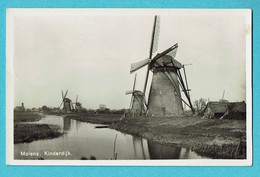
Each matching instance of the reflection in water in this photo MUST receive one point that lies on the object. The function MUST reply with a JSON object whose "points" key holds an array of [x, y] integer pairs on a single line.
{"points": [[83, 141], [66, 124], [77, 126], [138, 146], [159, 151]]}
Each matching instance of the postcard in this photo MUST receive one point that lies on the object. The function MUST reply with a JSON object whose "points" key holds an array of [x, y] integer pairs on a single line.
{"points": [[136, 87]]}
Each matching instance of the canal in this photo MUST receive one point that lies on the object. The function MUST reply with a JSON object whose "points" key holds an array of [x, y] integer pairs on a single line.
{"points": [[82, 140]]}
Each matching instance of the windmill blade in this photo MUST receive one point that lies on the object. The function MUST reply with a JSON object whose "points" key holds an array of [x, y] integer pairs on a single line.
{"points": [[138, 65], [62, 94], [134, 83], [65, 94], [173, 52], [72, 106], [131, 103], [61, 103], [153, 47], [128, 92], [223, 95], [155, 35], [145, 102]]}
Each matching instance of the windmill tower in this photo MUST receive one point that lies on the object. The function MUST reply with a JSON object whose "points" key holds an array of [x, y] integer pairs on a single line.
{"points": [[137, 104], [78, 105], [67, 105], [165, 95]]}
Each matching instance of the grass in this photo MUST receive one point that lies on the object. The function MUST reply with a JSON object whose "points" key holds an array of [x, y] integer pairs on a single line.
{"points": [[107, 119], [213, 138], [26, 117], [26, 133]]}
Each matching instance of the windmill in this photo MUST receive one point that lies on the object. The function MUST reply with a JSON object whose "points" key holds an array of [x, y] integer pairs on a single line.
{"points": [[165, 95], [67, 105], [137, 104], [222, 99], [78, 105]]}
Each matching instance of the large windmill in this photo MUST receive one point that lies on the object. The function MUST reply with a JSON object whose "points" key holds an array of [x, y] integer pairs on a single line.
{"points": [[67, 104], [137, 104], [165, 96], [78, 105]]}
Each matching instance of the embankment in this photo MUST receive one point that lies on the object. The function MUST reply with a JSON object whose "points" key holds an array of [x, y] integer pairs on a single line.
{"points": [[106, 119], [25, 131], [219, 139], [27, 117]]}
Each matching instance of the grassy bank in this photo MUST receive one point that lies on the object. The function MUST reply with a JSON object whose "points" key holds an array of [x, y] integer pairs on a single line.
{"points": [[26, 117], [28, 132], [220, 139], [107, 119]]}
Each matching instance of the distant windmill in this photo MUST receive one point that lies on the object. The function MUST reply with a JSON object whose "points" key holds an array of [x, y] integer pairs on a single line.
{"points": [[165, 96], [222, 99], [78, 105], [137, 104], [67, 104]]}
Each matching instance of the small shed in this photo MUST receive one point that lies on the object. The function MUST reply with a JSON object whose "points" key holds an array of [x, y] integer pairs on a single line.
{"points": [[236, 110], [215, 109], [225, 110]]}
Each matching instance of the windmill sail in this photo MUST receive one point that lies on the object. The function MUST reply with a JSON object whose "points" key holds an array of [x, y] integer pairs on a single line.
{"points": [[155, 37], [173, 52], [154, 46], [128, 92], [132, 99], [138, 65]]}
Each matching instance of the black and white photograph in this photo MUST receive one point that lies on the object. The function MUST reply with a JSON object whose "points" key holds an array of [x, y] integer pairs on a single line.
{"points": [[129, 87]]}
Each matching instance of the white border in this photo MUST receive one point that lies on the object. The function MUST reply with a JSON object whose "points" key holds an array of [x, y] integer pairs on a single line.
{"points": [[11, 13]]}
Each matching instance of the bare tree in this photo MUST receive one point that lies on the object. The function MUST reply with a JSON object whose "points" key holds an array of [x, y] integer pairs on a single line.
{"points": [[199, 105]]}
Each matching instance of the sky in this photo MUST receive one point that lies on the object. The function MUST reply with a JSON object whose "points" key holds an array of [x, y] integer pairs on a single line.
{"points": [[90, 55]]}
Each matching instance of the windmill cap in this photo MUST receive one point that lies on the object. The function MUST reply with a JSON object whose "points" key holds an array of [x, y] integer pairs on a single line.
{"points": [[167, 60], [138, 92]]}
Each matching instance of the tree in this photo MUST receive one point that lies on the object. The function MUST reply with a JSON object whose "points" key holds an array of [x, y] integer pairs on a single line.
{"points": [[199, 105], [45, 109]]}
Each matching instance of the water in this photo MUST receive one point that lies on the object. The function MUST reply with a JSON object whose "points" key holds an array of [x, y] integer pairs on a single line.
{"points": [[82, 139]]}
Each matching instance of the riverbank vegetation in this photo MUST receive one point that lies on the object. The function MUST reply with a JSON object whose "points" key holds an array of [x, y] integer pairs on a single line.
{"points": [[107, 119], [224, 139], [26, 117], [25, 132]]}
